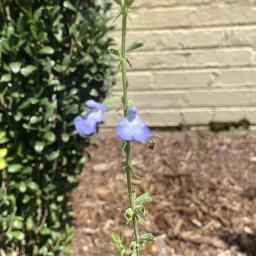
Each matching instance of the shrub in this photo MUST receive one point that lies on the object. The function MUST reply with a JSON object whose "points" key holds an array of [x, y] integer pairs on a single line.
{"points": [[49, 52]]}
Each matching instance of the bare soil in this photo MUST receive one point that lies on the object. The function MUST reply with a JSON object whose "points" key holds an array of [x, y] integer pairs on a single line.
{"points": [[204, 190]]}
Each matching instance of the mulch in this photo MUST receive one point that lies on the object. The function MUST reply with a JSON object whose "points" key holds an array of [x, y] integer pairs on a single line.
{"points": [[204, 190]]}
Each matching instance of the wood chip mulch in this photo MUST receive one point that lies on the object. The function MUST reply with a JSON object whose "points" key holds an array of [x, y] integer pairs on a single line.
{"points": [[204, 190]]}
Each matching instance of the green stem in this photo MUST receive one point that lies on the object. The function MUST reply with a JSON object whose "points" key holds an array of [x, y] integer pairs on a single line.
{"points": [[125, 108]]}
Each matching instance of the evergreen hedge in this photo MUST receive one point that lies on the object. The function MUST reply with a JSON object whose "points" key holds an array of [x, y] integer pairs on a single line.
{"points": [[53, 56]]}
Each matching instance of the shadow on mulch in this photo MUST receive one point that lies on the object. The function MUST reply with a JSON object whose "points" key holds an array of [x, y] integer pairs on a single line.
{"points": [[243, 242]]}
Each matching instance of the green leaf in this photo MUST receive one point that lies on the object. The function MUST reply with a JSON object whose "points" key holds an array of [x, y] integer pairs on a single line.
{"points": [[128, 214], [3, 152], [46, 50], [22, 187], [33, 120], [133, 196], [17, 224], [45, 231], [24, 5], [65, 137], [28, 70], [18, 235], [146, 238], [33, 186], [3, 164], [29, 224], [54, 155], [94, 93], [130, 103], [2, 134], [111, 101], [14, 168], [135, 45], [6, 78], [140, 211], [50, 136], [39, 146], [18, 116], [15, 67], [69, 6], [145, 198], [114, 52]]}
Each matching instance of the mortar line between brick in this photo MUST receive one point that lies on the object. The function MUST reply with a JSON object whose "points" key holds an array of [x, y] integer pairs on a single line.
{"points": [[187, 28], [193, 68], [189, 70]]}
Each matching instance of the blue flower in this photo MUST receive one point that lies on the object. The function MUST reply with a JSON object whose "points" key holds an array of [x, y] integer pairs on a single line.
{"points": [[87, 123], [132, 127]]}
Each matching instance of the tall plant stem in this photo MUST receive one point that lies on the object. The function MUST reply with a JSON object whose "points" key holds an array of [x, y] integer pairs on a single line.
{"points": [[127, 148]]}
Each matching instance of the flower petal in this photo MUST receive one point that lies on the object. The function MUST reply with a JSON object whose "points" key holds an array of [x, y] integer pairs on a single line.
{"points": [[133, 130], [95, 105], [94, 115], [124, 130], [140, 131], [87, 123]]}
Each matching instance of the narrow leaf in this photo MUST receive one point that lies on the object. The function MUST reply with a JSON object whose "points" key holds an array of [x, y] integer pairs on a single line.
{"points": [[46, 50], [135, 45], [114, 52], [145, 198], [146, 238], [69, 6]]}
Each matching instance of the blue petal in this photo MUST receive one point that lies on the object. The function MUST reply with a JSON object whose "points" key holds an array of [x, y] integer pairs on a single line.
{"points": [[133, 130], [87, 123], [142, 132], [94, 115], [95, 105], [83, 126], [124, 130], [132, 112]]}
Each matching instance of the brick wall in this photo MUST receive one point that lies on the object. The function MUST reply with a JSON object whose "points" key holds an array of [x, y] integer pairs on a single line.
{"points": [[198, 64]]}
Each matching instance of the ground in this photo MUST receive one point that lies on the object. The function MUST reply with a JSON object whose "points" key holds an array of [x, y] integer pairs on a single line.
{"points": [[204, 190]]}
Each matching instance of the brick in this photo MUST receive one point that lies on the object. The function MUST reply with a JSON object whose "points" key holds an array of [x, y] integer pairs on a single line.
{"points": [[190, 17], [196, 116], [169, 40], [240, 37], [193, 39], [236, 77], [194, 98], [137, 81], [192, 59], [219, 98], [158, 3], [250, 115], [181, 79], [228, 115], [155, 100]]}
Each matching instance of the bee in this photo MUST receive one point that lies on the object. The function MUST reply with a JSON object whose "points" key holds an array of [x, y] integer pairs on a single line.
{"points": [[152, 141]]}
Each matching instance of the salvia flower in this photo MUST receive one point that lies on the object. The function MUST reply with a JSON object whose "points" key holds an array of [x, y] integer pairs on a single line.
{"points": [[87, 123], [132, 127]]}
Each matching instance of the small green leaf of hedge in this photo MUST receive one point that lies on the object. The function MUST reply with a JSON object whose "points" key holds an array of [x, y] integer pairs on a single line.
{"points": [[52, 59]]}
